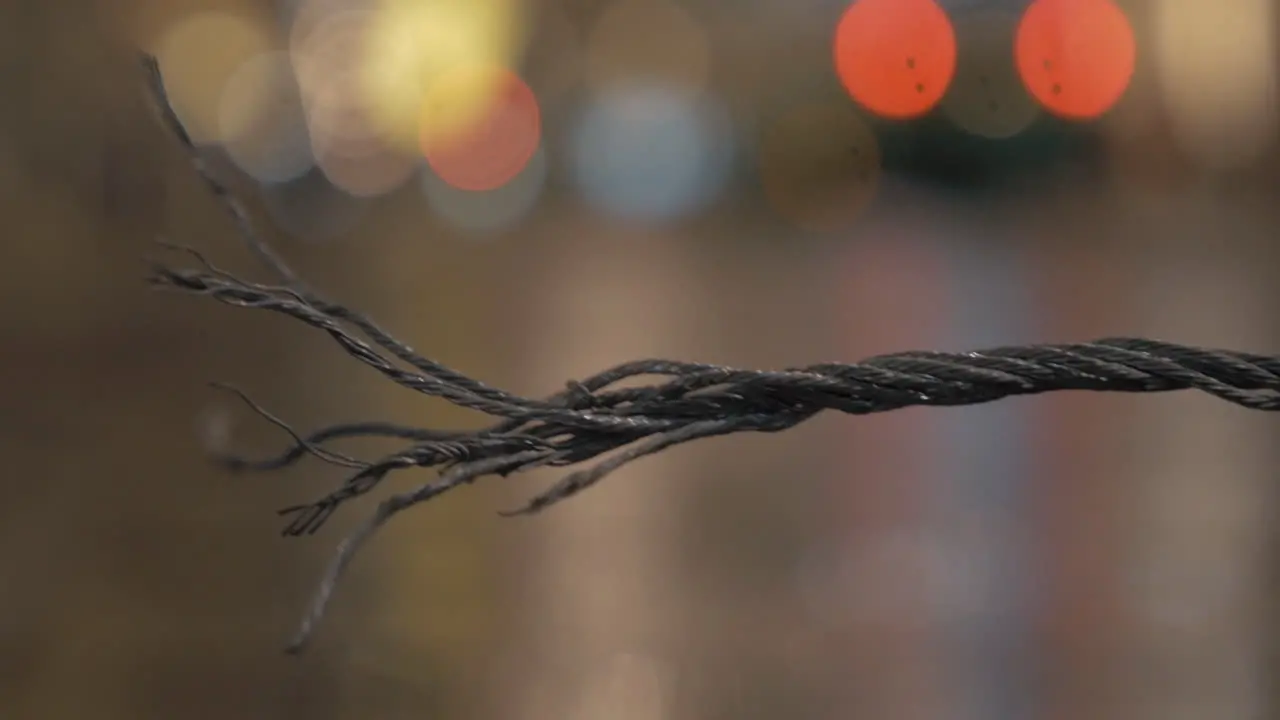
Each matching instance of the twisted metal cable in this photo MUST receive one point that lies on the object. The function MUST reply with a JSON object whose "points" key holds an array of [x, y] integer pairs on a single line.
{"points": [[590, 418]]}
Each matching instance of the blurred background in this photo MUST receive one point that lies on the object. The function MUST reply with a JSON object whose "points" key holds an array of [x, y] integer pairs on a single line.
{"points": [[532, 190]]}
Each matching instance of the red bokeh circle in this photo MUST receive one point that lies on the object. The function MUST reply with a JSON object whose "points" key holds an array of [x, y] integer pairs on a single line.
{"points": [[1075, 57], [493, 149], [895, 57]]}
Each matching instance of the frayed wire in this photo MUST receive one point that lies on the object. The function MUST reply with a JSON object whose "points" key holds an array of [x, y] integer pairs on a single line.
{"points": [[690, 401]]}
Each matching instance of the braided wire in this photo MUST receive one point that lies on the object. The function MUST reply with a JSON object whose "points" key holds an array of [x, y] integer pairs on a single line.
{"points": [[687, 401]]}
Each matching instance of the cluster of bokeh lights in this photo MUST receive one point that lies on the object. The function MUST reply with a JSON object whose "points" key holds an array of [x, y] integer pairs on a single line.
{"points": [[897, 58], [364, 94], [354, 99]]}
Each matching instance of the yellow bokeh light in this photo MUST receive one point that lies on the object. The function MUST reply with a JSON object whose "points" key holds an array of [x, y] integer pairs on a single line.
{"points": [[413, 44], [456, 101], [198, 55]]}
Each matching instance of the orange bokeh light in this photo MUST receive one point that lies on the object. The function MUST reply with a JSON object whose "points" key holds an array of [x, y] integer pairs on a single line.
{"points": [[494, 146], [895, 57], [1076, 57]]}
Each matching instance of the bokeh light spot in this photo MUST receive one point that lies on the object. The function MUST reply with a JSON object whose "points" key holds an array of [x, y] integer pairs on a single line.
{"points": [[332, 49], [198, 55], [414, 44], [1076, 57], [376, 171], [326, 60], [895, 57], [460, 100], [346, 145], [820, 166], [487, 151], [651, 152], [987, 97], [261, 120]]}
